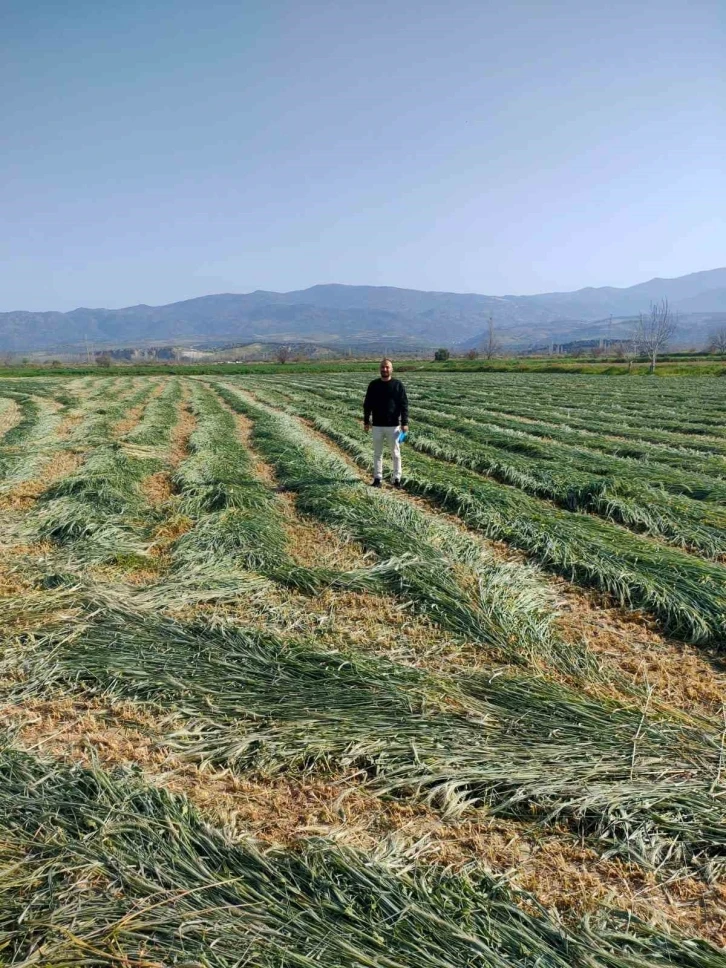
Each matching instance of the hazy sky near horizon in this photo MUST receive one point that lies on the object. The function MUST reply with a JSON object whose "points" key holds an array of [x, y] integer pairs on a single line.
{"points": [[161, 150]]}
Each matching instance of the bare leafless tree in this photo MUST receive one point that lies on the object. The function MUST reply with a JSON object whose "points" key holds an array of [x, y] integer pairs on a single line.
{"points": [[654, 331], [471, 354], [717, 340], [629, 350], [283, 354], [490, 348]]}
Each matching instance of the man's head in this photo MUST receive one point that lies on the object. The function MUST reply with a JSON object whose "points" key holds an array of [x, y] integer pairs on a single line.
{"points": [[386, 369]]}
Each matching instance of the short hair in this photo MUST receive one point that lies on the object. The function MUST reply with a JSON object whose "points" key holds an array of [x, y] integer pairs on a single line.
{"points": [[386, 360]]}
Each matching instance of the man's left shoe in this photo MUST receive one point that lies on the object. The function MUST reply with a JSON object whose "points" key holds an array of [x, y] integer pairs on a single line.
{"points": [[397, 483]]}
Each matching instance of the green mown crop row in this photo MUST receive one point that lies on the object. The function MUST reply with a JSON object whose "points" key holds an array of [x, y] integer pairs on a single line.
{"points": [[687, 594], [238, 522], [677, 519], [558, 404], [520, 746], [678, 471], [101, 870], [450, 577], [526, 404], [25, 446], [632, 456], [683, 407], [99, 512]]}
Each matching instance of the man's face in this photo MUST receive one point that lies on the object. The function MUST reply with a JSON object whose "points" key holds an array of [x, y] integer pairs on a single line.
{"points": [[386, 370]]}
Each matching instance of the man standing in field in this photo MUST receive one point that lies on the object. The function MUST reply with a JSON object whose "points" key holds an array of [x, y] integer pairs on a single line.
{"points": [[386, 402]]}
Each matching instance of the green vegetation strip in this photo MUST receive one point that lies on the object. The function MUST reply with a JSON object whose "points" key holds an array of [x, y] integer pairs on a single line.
{"points": [[158, 418], [101, 870], [563, 409], [550, 474], [581, 445], [239, 525], [685, 593], [448, 576], [675, 470], [26, 446], [520, 746], [99, 512]]}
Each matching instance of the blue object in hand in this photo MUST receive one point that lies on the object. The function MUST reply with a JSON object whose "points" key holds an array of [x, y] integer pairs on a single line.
{"points": [[402, 434]]}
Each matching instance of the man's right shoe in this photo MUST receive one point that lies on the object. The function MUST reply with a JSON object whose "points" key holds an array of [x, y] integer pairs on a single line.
{"points": [[376, 482]]}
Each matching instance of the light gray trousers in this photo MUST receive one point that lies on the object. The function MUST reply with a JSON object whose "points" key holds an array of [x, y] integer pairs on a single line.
{"points": [[387, 435]]}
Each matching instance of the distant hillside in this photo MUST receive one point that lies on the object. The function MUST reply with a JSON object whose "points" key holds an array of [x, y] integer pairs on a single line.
{"points": [[371, 315]]}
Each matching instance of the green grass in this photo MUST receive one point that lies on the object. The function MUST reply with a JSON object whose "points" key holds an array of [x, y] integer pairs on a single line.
{"points": [[519, 746], [548, 471], [103, 870], [99, 512], [158, 419], [239, 525], [24, 448], [447, 575], [695, 367], [686, 594]]}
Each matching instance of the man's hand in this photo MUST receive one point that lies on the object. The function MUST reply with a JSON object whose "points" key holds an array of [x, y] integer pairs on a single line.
{"points": [[405, 428], [366, 427]]}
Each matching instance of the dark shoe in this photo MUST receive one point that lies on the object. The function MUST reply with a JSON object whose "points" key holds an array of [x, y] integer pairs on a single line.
{"points": [[376, 482], [397, 483]]}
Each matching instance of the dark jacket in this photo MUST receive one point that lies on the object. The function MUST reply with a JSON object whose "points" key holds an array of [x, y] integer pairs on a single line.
{"points": [[387, 402]]}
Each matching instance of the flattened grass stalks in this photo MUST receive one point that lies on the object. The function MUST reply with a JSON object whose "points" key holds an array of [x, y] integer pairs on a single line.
{"points": [[521, 746], [448, 576], [121, 873], [685, 593], [587, 483]]}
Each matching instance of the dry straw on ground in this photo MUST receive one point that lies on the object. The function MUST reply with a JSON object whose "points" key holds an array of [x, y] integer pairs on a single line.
{"points": [[561, 872]]}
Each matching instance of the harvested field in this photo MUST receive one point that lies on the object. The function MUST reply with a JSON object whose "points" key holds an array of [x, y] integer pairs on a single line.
{"points": [[278, 716]]}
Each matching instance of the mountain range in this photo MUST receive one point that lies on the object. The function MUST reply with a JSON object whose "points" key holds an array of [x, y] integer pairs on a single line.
{"points": [[350, 316]]}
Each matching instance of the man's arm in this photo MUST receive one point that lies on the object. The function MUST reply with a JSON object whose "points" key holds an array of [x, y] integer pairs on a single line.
{"points": [[404, 408], [368, 407]]}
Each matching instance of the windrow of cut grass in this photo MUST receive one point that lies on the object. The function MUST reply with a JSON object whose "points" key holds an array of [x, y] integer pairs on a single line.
{"points": [[26, 445], [686, 594], [239, 525], [117, 398], [500, 398], [99, 513], [690, 403], [29, 412], [121, 873], [676, 470], [158, 418], [522, 747], [449, 576], [680, 521], [10, 415]]}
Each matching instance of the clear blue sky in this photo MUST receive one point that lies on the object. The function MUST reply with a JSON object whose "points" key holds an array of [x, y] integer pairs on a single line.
{"points": [[161, 150]]}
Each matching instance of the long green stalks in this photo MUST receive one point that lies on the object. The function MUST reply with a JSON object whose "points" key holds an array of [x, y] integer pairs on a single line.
{"points": [[101, 870]]}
